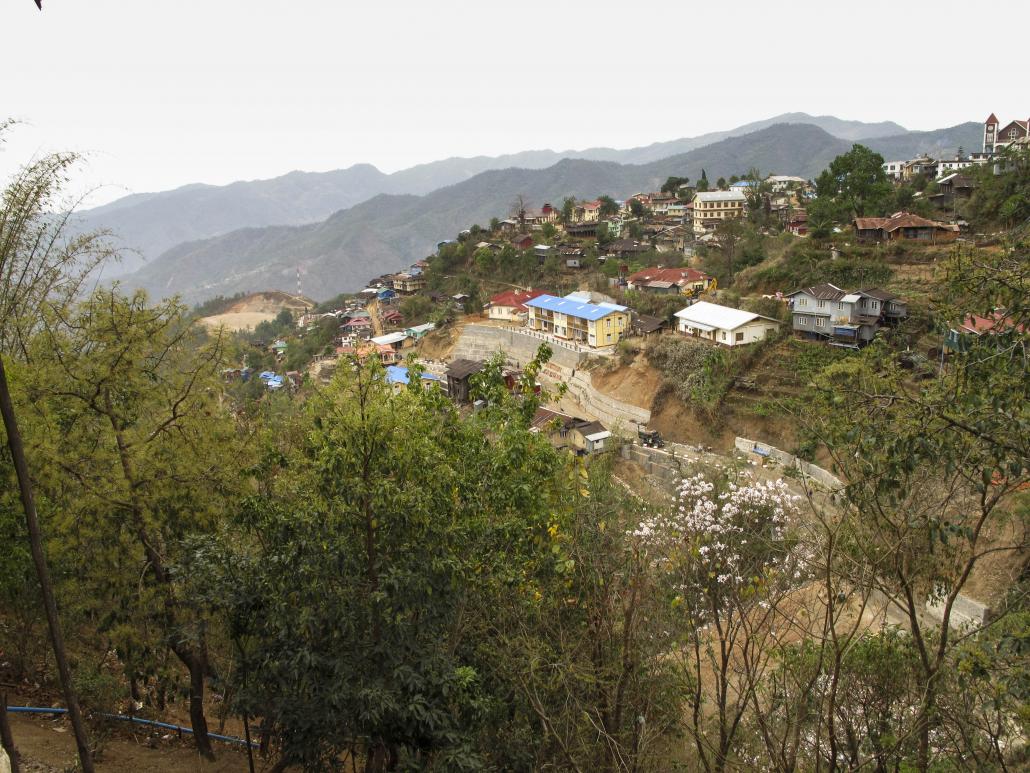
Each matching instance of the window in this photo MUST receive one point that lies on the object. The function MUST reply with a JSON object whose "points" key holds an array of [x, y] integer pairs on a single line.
{"points": [[822, 304], [723, 335], [819, 321], [840, 306], [740, 336], [802, 320], [876, 304], [802, 301]]}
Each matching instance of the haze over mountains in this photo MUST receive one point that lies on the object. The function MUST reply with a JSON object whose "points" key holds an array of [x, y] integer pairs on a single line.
{"points": [[343, 227]]}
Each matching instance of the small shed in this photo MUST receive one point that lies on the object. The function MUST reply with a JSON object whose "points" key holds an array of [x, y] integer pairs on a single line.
{"points": [[458, 374]]}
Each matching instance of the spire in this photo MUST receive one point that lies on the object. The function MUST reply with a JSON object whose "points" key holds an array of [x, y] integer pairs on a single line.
{"points": [[992, 118]]}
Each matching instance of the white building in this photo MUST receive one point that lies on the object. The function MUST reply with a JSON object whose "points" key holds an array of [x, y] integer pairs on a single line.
{"points": [[723, 325], [893, 169], [712, 207], [785, 182]]}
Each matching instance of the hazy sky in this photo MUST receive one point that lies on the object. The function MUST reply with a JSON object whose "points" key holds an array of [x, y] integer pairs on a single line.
{"points": [[165, 92]]}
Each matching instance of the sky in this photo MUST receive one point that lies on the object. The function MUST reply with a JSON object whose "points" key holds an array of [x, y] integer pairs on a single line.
{"points": [[161, 93]]}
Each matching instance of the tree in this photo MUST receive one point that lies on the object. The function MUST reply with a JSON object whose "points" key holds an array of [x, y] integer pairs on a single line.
{"points": [[727, 557], [568, 207], [856, 183], [127, 404], [702, 183], [548, 231], [609, 207], [40, 267], [730, 233], [637, 208], [495, 225], [518, 211], [672, 184], [364, 580], [721, 183], [932, 470]]}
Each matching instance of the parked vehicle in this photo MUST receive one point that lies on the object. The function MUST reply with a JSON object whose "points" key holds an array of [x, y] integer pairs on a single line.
{"points": [[650, 438]]}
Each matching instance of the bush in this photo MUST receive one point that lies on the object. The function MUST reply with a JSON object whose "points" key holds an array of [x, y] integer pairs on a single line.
{"points": [[692, 368]]}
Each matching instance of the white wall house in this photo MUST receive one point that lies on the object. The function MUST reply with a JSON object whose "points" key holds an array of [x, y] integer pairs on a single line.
{"points": [[893, 169], [723, 325]]}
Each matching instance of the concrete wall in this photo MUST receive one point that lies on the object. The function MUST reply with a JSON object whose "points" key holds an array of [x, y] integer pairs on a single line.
{"points": [[480, 342], [817, 474]]}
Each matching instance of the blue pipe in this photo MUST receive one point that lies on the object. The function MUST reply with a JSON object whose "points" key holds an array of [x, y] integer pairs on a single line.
{"points": [[137, 720]]}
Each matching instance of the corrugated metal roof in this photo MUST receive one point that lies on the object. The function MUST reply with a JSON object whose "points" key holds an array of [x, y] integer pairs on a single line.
{"points": [[720, 196], [574, 308], [390, 338], [713, 315]]}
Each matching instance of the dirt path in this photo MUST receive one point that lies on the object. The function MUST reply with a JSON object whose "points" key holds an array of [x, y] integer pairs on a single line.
{"points": [[47, 746]]}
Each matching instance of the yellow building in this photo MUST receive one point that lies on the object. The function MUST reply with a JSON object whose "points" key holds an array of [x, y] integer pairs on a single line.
{"points": [[593, 324], [713, 207]]}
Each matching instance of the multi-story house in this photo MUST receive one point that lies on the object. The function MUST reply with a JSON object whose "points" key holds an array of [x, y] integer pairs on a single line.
{"points": [[572, 319], [586, 212], [713, 207], [893, 169], [826, 312]]}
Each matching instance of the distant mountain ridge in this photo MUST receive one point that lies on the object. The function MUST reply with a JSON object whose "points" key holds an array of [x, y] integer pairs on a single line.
{"points": [[147, 224], [388, 232]]}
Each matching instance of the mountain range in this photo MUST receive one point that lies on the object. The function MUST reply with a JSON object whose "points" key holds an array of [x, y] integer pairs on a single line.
{"points": [[389, 230], [147, 224]]}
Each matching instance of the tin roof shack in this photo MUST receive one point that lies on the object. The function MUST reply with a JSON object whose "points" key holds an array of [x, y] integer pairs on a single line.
{"points": [[903, 226], [458, 374]]}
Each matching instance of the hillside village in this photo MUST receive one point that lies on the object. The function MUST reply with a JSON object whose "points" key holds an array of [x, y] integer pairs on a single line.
{"points": [[760, 262], [379, 393]]}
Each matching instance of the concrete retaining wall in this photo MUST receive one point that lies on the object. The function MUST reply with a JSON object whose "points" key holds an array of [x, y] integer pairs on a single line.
{"points": [[612, 412], [817, 474], [481, 342]]}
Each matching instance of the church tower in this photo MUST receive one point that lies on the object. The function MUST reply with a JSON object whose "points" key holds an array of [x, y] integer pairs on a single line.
{"points": [[990, 133]]}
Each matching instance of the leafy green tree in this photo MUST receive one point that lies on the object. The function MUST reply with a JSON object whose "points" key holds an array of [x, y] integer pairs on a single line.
{"points": [[637, 208], [702, 183], [609, 207], [548, 231], [41, 268], [721, 183], [368, 547], [672, 184], [568, 206], [126, 408], [856, 183], [495, 225]]}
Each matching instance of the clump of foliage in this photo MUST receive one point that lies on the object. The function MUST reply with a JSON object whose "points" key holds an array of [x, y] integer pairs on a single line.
{"points": [[694, 369]]}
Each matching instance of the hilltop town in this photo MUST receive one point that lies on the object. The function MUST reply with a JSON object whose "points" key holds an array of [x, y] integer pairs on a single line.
{"points": [[769, 275]]}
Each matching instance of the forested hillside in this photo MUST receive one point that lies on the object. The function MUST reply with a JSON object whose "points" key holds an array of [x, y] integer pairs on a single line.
{"points": [[387, 232], [148, 224]]}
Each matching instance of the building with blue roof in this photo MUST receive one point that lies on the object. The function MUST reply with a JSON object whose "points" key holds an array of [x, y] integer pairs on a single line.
{"points": [[399, 376], [574, 319]]}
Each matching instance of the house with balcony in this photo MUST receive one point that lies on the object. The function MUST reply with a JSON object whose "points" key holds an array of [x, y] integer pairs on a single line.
{"points": [[581, 321], [849, 319]]}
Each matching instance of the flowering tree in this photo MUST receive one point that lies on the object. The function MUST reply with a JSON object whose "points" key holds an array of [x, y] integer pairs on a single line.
{"points": [[729, 555]]}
